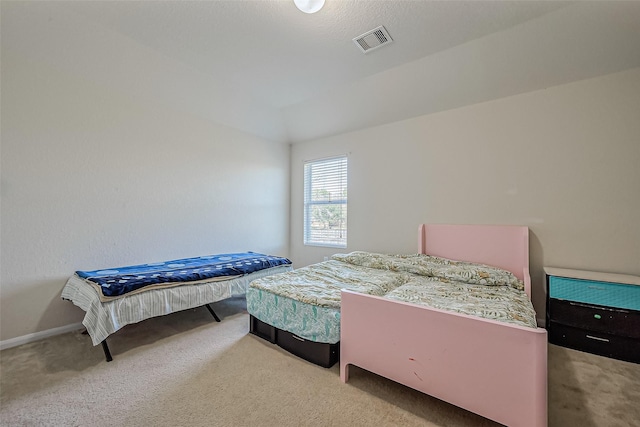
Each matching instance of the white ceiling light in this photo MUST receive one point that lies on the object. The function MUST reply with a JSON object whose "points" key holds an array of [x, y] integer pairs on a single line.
{"points": [[309, 6]]}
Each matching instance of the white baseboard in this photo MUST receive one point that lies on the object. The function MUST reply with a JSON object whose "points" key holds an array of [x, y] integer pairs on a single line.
{"points": [[25, 339]]}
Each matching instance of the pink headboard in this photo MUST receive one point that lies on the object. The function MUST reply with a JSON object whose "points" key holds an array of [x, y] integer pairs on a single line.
{"points": [[504, 246]]}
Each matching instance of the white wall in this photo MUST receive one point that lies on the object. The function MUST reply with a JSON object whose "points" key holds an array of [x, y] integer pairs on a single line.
{"points": [[93, 178], [563, 161], [96, 173]]}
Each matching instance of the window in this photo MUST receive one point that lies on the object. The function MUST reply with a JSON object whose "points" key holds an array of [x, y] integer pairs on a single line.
{"points": [[325, 202]]}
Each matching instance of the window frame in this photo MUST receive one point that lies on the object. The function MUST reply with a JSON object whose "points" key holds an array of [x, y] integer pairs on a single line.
{"points": [[341, 176]]}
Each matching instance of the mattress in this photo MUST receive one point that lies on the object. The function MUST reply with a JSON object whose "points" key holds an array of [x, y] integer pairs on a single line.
{"points": [[104, 318], [312, 322], [306, 301], [116, 282]]}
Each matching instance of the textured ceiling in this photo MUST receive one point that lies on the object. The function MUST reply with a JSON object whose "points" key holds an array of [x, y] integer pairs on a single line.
{"points": [[266, 68]]}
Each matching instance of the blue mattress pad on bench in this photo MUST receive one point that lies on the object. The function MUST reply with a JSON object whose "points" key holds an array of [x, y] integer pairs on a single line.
{"points": [[121, 280]]}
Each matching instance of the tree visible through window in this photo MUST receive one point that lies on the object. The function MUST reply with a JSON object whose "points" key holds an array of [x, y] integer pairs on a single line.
{"points": [[325, 202]]}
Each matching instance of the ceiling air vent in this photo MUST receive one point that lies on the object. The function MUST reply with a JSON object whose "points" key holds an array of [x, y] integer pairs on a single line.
{"points": [[373, 39]]}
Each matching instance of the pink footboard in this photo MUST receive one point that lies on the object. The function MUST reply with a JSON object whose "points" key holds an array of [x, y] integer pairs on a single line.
{"points": [[493, 369]]}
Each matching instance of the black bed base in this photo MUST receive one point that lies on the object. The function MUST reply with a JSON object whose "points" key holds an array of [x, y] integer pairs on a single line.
{"points": [[322, 354], [105, 346]]}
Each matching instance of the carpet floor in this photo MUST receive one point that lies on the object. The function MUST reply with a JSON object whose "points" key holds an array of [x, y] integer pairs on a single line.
{"points": [[188, 370]]}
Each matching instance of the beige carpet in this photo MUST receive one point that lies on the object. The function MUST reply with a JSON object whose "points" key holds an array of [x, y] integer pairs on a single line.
{"points": [[187, 370]]}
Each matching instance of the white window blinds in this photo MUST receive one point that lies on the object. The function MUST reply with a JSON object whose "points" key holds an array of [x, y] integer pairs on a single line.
{"points": [[325, 202]]}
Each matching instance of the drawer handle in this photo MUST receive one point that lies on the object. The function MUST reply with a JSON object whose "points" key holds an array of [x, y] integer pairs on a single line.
{"points": [[597, 288], [597, 338], [298, 338]]}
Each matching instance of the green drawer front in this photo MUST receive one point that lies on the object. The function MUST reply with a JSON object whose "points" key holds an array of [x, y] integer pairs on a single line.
{"points": [[594, 292]]}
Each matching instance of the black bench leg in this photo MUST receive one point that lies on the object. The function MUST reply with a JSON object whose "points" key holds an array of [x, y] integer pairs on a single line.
{"points": [[107, 353], [105, 347], [212, 312]]}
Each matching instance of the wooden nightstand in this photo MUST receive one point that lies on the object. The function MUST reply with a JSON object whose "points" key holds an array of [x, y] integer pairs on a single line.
{"points": [[594, 312]]}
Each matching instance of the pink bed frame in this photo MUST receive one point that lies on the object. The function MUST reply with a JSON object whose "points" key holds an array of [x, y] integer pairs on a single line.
{"points": [[494, 369]]}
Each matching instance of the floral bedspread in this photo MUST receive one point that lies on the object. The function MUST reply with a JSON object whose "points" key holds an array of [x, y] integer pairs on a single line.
{"points": [[320, 284], [431, 266], [459, 286], [502, 303]]}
